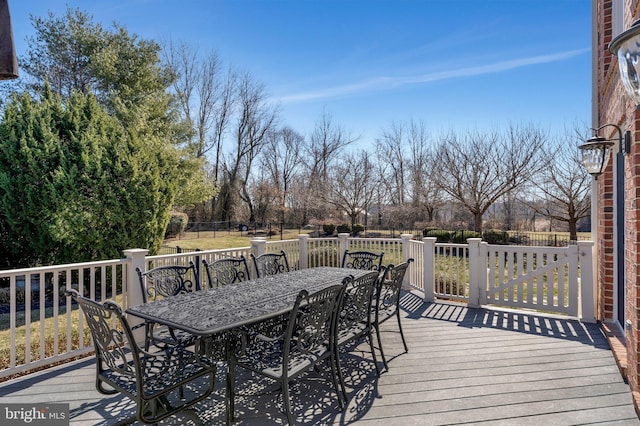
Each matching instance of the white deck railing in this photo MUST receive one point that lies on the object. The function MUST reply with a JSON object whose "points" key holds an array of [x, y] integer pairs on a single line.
{"points": [[34, 337]]}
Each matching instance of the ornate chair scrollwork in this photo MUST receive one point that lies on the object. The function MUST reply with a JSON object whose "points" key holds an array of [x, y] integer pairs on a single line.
{"points": [[154, 381], [226, 271], [167, 281], [270, 263], [364, 260]]}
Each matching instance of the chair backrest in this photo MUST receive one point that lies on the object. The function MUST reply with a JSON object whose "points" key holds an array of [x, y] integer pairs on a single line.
{"points": [[168, 280], [388, 295], [270, 263], [226, 271], [112, 339], [311, 322], [365, 260], [357, 300]]}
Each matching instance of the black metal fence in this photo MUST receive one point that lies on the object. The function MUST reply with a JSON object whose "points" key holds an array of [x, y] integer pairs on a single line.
{"points": [[547, 239], [197, 230]]}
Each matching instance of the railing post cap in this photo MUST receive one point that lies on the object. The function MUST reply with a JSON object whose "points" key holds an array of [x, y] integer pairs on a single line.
{"points": [[132, 252]]}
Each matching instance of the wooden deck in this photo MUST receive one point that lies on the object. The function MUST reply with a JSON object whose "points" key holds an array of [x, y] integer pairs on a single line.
{"points": [[464, 366]]}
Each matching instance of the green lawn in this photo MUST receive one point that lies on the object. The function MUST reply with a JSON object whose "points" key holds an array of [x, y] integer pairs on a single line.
{"points": [[209, 240]]}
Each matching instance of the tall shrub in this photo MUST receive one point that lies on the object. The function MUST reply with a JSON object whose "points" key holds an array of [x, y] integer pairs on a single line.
{"points": [[441, 235], [357, 229], [328, 228], [495, 236], [74, 186], [460, 237], [177, 224]]}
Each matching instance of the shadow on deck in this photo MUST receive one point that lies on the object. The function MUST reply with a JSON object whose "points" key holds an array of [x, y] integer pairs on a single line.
{"points": [[464, 366]]}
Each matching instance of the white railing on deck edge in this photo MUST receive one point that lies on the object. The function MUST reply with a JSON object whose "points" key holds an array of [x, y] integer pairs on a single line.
{"points": [[438, 271]]}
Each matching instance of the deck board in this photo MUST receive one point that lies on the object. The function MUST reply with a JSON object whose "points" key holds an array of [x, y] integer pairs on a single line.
{"points": [[464, 366]]}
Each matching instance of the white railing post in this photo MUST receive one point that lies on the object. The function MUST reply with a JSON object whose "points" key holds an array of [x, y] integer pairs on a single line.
{"points": [[258, 246], [429, 267], [587, 283], [475, 270], [135, 259], [303, 249], [133, 292], [343, 238], [406, 238], [483, 274]]}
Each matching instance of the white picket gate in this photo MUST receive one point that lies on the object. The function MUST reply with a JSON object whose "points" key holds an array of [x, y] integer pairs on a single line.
{"points": [[548, 279]]}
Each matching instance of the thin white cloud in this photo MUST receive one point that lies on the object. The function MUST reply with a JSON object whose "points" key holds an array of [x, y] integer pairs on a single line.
{"points": [[385, 83]]}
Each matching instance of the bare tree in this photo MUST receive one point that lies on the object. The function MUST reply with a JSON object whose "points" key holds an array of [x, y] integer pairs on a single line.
{"points": [[407, 161], [265, 199], [426, 195], [479, 168], [382, 190], [204, 91], [322, 149], [352, 185], [256, 117], [564, 186], [390, 146], [326, 141], [281, 159]]}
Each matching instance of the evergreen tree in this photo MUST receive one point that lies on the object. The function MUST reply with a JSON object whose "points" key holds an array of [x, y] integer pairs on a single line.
{"points": [[76, 186]]}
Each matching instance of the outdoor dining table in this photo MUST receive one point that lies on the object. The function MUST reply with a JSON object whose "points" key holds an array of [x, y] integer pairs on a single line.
{"points": [[220, 310]]}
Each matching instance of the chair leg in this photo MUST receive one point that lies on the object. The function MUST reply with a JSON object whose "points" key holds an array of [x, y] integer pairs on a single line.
{"points": [[334, 378], [384, 360], [287, 401], [404, 342], [340, 376], [105, 391], [373, 352], [231, 391]]}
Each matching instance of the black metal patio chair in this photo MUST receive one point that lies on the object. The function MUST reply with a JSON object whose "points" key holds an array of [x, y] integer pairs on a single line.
{"points": [[167, 281], [307, 341], [162, 383], [270, 263], [353, 321], [387, 303], [226, 271], [364, 260]]}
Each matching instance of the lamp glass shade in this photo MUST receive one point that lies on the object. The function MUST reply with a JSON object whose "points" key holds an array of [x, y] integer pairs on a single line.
{"points": [[627, 47], [629, 63], [595, 155]]}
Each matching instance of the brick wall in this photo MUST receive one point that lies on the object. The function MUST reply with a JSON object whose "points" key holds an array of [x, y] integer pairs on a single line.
{"points": [[615, 106]]}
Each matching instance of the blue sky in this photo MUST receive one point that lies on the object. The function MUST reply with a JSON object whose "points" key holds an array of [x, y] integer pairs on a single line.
{"points": [[454, 64]]}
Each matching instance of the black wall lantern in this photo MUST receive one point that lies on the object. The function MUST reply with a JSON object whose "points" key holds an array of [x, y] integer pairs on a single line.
{"points": [[595, 151]]}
